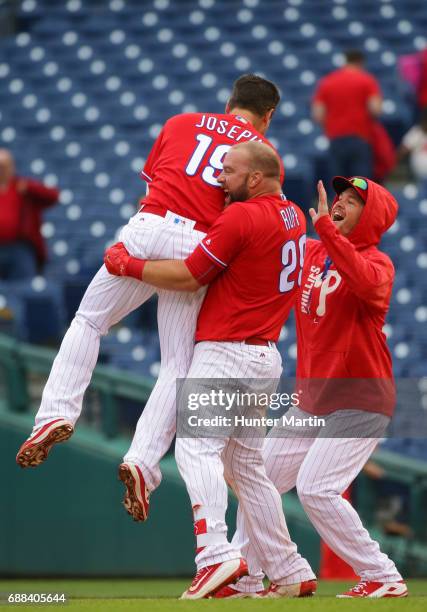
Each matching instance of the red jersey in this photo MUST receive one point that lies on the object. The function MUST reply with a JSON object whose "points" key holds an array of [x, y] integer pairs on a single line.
{"points": [[186, 159], [345, 94], [10, 213], [254, 251], [341, 310], [21, 213]]}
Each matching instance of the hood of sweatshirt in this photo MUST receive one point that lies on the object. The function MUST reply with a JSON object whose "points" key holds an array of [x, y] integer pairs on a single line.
{"points": [[379, 211]]}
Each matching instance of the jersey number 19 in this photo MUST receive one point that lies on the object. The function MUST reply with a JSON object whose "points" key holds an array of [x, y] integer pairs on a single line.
{"points": [[214, 164]]}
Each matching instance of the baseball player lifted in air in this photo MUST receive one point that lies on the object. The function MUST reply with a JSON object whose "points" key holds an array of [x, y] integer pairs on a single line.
{"points": [[344, 368], [252, 256], [183, 200]]}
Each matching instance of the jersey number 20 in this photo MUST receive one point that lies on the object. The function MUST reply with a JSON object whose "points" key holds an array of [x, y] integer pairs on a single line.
{"points": [[215, 161], [292, 256]]}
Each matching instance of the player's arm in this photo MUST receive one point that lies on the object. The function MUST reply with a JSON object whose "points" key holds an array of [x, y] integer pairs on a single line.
{"points": [[170, 274], [370, 278], [318, 105], [318, 112], [40, 194], [375, 105], [375, 98]]}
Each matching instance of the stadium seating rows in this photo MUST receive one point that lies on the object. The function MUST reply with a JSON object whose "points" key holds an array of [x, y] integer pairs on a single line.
{"points": [[86, 86]]}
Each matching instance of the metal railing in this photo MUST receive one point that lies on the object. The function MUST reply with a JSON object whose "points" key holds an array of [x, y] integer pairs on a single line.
{"points": [[19, 362]]}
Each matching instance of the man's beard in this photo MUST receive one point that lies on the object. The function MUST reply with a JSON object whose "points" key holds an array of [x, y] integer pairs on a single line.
{"points": [[241, 194]]}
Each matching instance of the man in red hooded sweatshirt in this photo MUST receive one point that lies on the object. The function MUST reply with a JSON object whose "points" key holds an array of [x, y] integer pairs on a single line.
{"points": [[344, 373]]}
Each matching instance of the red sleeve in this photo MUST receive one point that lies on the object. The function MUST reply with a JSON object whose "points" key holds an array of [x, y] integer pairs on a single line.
{"points": [[373, 88], [42, 195], [222, 243], [147, 174], [368, 278]]}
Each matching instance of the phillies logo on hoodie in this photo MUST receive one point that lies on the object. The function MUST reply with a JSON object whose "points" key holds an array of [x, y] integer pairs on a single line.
{"points": [[327, 285]]}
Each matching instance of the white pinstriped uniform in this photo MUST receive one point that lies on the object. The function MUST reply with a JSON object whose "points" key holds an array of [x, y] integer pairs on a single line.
{"points": [[107, 300], [207, 463], [321, 469]]}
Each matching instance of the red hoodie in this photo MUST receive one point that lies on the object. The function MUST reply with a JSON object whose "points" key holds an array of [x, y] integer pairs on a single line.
{"points": [[340, 317]]}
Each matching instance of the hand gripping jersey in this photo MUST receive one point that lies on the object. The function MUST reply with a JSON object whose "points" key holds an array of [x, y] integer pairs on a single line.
{"points": [[186, 159]]}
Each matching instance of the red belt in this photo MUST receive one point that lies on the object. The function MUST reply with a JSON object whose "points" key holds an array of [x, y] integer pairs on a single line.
{"points": [[257, 341], [161, 212]]}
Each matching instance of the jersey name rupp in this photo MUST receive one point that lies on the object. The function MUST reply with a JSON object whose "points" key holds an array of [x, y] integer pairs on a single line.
{"points": [[290, 217], [222, 126]]}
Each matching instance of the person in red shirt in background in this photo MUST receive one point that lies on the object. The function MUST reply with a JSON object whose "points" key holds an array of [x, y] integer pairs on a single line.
{"points": [[251, 258], [344, 374], [345, 103], [22, 200]]}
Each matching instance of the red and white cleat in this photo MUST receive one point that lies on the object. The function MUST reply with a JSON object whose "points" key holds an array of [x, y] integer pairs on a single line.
{"points": [[377, 589], [136, 501], [36, 448], [228, 592], [212, 578], [299, 589]]}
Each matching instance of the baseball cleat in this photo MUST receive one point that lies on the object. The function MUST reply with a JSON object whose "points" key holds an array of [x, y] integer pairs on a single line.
{"points": [[228, 592], [208, 580], [365, 588], [136, 499], [37, 447], [299, 589]]}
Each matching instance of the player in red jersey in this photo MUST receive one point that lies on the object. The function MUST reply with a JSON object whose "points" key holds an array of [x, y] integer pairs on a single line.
{"points": [[252, 258], [344, 370], [183, 200], [186, 158]]}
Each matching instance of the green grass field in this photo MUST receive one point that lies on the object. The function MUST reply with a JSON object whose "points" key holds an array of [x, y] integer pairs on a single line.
{"points": [[161, 595]]}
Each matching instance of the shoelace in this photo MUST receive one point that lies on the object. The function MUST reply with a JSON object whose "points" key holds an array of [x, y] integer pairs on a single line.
{"points": [[360, 588]]}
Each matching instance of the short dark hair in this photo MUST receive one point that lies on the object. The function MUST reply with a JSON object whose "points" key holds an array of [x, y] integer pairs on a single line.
{"points": [[354, 56], [255, 94]]}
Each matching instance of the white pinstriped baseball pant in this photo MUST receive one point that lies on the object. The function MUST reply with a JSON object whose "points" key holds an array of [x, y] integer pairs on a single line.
{"points": [[321, 469], [206, 464], [107, 300]]}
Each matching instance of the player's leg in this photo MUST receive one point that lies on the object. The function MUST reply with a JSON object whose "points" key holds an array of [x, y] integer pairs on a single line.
{"points": [[218, 563], [283, 454], [260, 504], [199, 460], [107, 300], [177, 316], [329, 468]]}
